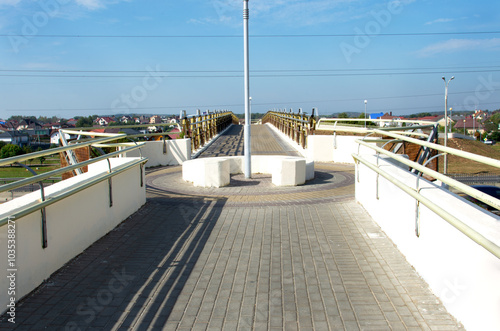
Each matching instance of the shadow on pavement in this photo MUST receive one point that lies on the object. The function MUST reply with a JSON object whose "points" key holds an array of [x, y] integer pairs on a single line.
{"points": [[133, 276]]}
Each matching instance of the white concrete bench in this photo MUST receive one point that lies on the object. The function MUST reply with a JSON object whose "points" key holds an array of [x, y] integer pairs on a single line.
{"points": [[217, 171]]}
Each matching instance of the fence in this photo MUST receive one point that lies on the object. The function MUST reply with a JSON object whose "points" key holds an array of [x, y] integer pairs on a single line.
{"points": [[203, 127], [415, 192], [73, 166], [296, 126]]}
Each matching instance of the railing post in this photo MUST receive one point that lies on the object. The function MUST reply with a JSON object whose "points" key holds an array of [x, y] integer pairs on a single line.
{"points": [[184, 124], [193, 133]]}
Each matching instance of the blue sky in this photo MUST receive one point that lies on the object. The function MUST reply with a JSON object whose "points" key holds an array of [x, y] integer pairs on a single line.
{"points": [[329, 54]]}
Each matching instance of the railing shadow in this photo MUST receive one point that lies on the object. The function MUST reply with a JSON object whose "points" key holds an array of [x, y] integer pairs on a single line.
{"points": [[133, 276]]}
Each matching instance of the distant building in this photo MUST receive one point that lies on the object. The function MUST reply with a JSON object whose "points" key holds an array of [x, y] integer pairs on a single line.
{"points": [[52, 126], [126, 119], [72, 122], [27, 123], [142, 120], [174, 133], [155, 119], [104, 121], [388, 116], [15, 137], [470, 125], [440, 120]]}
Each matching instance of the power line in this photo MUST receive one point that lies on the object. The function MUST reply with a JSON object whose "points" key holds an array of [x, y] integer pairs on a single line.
{"points": [[258, 104], [239, 71], [256, 36], [254, 76]]}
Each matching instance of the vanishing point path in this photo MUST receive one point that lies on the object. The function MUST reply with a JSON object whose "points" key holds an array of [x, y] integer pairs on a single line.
{"points": [[249, 256]]}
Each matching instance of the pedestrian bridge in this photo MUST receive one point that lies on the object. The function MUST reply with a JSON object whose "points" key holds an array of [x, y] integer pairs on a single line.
{"points": [[123, 245]]}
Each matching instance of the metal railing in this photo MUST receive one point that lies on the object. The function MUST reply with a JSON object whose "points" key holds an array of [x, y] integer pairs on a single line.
{"points": [[201, 128], [415, 191], [350, 125], [296, 126], [43, 202]]}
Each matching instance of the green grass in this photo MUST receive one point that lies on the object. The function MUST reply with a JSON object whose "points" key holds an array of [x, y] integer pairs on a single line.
{"points": [[19, 172]]}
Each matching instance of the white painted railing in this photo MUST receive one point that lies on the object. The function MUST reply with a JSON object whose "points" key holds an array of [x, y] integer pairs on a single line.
{"points": [[43, 230], [453, 244]]}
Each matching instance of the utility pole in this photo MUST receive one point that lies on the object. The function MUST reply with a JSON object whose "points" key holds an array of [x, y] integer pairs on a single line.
{"points": [[248, 118]]}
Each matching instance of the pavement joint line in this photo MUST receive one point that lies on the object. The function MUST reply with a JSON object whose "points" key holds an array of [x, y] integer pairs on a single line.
{"points": [[249, 257]]}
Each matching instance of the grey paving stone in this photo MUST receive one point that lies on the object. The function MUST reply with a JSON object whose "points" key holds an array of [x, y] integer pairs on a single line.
{"points": [[303, 262]]}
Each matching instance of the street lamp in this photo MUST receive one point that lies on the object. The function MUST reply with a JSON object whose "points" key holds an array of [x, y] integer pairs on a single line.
{"points": [[248, 118], [446, 120], [366, 101]]}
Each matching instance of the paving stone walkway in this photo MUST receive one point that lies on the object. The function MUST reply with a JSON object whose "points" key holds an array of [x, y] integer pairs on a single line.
{"points": [[264, 141], [249, 257]]}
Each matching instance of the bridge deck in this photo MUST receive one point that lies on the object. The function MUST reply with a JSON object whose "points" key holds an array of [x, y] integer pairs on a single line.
{"points": [[246, 256], [264, 141]]}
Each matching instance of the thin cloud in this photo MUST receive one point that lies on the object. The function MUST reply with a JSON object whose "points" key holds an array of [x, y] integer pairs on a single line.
{"points": [[296, 12], [91, 4], [460, 45], [445, 20], [440, 20], [9, 2], [97, 4]]}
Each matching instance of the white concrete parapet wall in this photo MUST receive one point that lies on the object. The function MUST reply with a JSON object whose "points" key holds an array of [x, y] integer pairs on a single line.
{"points": [[329, 148], [73, 224], [216, 171], [460, 272], [159, 153], [326, 148]]}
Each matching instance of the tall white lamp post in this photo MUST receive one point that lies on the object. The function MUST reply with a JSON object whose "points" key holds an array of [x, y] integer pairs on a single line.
{"points": [[446, 120], [248, 118]]}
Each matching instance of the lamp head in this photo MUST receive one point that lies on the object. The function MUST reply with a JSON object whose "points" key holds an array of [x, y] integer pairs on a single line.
{"points": [[366, 101], [443, 78], [452, 78]]}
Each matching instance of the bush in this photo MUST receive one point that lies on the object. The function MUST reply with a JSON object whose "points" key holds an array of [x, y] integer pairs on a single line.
{"points": [[10, 150], [494, 136]]}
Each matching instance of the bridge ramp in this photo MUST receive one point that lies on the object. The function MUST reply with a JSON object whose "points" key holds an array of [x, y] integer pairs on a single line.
{"points": [[247, 256]]}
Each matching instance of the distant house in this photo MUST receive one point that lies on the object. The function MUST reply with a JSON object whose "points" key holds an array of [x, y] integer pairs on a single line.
{"points": [[434, 118], [38, 135], [141, 120], [12, 124], [28, 124], [52, 126], [388, 116], [174, 133], [71, 122], [4, 126], [126, 119], [440, 120], [155, 119], [470, 125], [104, 121], [15, 137]]}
